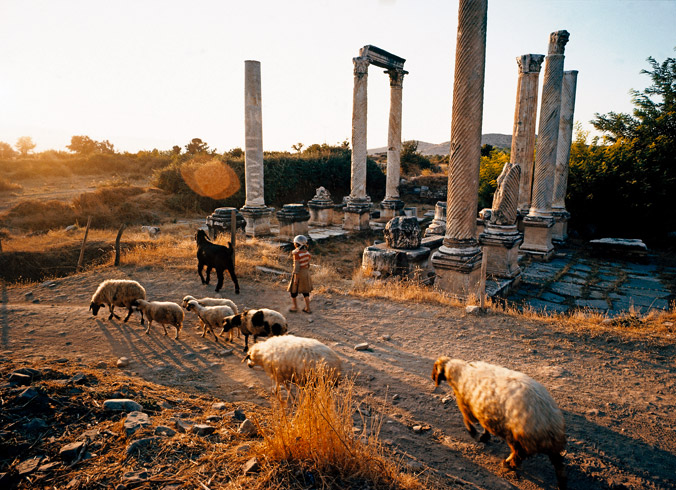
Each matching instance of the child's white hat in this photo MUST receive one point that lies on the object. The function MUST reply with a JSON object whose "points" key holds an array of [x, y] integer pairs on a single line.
{"points": [[300, 240]]}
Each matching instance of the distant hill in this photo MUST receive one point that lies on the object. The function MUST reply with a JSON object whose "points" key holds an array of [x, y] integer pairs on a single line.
{"points": [[495, 139]]}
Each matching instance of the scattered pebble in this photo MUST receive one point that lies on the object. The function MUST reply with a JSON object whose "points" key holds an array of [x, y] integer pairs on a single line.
{"points": [[163, 430], [386, 337], [135, 421], [251, 466], [362, 346], [247, 428], [123, 362], [472, 310], [203, 429], [122, 405]]}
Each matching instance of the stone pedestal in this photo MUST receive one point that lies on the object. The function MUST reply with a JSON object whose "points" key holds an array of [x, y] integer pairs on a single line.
{"points": [[537, 237], [395, 261], [390, 208], [438, 225], [293, 220], [257, 220], [220, 221], [357, 214], [501, 248], [560, 228], [321, 208], [458, 271]]}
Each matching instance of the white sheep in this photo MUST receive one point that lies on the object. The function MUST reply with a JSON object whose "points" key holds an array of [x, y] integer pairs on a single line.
{"points": [[288, 359], [210, 316], [117, 292], [509, 405], [212, 302], [259, 323], [162, 312]]}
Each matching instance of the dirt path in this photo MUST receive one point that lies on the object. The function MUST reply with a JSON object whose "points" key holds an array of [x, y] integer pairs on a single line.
{"points": [[618, 396]]}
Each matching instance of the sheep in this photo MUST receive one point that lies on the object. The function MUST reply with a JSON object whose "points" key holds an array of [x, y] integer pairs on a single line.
{"points": [[210, 316], [288, 359], [509, 405], [117, 292], [162, 312], [212, 302], [214, 256], [259, 323]]}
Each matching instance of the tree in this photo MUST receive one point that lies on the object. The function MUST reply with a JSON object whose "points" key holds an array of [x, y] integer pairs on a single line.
{"points": [[84, 145], [196, 146], [6, 150], [298, 147], [412, 161], [24, 144]]}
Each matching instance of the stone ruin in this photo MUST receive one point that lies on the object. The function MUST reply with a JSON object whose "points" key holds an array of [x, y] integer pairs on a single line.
{"points": [[321, 208]]}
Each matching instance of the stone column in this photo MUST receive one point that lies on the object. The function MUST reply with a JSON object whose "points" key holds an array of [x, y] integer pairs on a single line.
{"points": [[525, 118], [538, 224], [357, 210], [458, 261], [256, 213], [561, 215], [392, 205], [321, 208], [501, 238], [293, 220]]}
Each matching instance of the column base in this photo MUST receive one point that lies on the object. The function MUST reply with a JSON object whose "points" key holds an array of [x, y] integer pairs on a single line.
{"points": [[500, 245], [395, 261], [293, 220], [321, 215], [357, 214], [390, 208], [560, 229], [257, 220], [458, 271], [537, 237]]}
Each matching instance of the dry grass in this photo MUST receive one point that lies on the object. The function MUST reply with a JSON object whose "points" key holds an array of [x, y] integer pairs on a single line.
{"points": [[6, 185], [312, 442]]}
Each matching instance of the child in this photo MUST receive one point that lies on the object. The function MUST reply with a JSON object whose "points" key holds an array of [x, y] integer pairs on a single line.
{"points": [[300, 277]]}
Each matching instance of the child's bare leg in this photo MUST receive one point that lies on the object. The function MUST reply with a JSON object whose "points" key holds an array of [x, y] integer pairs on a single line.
{"points": [[307, 304], [295, 304]]}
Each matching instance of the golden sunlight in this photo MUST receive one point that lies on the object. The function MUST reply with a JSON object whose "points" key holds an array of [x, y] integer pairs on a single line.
{"points": [[213, 178]]}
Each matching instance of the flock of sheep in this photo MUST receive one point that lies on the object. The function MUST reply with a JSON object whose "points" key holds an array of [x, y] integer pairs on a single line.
{"points": [[507, 404]]}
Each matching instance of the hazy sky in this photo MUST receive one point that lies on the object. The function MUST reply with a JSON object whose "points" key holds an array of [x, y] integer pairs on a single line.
{"points": [[150, 74]]}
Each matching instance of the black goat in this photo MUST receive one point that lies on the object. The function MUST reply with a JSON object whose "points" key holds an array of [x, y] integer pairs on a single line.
{"points": [[214, 256]]}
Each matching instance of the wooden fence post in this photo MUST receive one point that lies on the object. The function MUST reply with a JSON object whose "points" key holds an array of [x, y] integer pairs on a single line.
{"points": [[84, 242], [117, 244]]}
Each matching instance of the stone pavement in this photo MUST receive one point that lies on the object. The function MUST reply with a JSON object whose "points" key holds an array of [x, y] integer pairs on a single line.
{"points": [[574, 280]]}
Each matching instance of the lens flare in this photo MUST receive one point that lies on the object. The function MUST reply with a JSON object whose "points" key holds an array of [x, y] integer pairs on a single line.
{"points": [[212, 178]]}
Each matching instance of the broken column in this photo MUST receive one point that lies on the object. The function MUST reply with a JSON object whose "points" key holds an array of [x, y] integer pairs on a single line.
{"points": [[321, 208], [392, 205], [561, 215], [358, 206], [458, 261], [539, 222], [402, 253], [256, 213], [501, 238], [525, 118], [438, 224], [293, 220]]}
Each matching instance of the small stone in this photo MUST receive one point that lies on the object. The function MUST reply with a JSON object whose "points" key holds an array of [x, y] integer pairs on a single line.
{"points": [[140, 444], [417, 428], [226, 352], [203, 429], [35, 425], [183, 426], [102, 365], [122, 362], [122, 405], [28, 466], [219, 406], [136, 476], [310, 320], [135, 421], [668, 324], [472, 310], [395, 397], [46, 468], [78, 379], [236, 414], [362, 346], [70, 451], [28, 294], [163, 430], [446, 399], [593, 412], [214, 418], [20, 379], [243, 449], [165, 405], [251, 466], [36, 301], [29, 394], [386, 337], [247, 428], [33, 373], [607, 321]]}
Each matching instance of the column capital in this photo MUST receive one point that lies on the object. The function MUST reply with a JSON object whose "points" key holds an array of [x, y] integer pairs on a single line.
{"points": [[396, 77], [530, 63], [361, 66], [557, 42]]}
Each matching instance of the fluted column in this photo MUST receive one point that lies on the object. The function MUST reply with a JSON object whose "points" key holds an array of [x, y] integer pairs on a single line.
{"points": [[392, 204], [458, 261], [255, 212], [357, 209], [561, 215], [538, 224], [525, 118]]}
